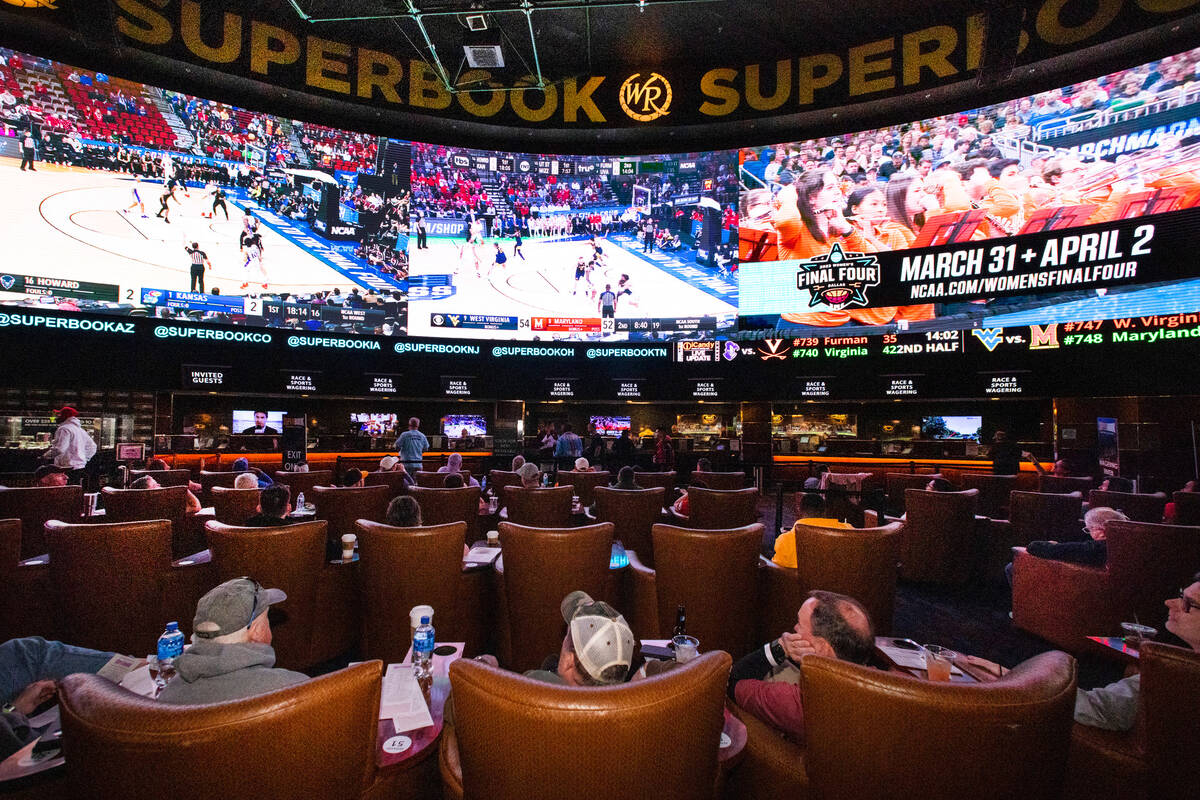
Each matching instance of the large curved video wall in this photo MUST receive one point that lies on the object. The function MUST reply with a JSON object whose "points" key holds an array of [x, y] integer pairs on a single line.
{"points": [[1073, 208]]}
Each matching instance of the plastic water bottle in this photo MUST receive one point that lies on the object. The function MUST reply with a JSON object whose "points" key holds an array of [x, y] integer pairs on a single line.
{"points": [[170, 647], [423, 650], [300, 502]]}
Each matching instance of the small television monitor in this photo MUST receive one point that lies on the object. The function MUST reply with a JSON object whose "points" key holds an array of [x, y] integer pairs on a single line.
{"points": [[374, 424], [244, 420], [456, 426], [610, 426], [951, 428]]}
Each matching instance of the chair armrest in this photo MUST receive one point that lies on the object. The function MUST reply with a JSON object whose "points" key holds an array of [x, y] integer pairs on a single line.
{"points": [[337, 610], [642, 585], [203, 557], [449, 764], [771, 765], [34, 561]]}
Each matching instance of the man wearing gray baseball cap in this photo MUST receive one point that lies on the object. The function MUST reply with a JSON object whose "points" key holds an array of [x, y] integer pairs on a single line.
{"points": [[231, 656], [598, 648]]}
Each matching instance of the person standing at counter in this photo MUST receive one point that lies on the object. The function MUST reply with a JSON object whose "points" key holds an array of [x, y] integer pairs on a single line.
{"points": [[73, 447], [412, 445], [664, 451], [1006, 456]]}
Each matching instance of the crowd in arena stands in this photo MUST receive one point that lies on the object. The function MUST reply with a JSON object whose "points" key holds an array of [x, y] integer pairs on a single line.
{"points": [[338, 149]]}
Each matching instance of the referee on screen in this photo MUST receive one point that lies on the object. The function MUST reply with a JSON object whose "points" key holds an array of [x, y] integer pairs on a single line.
{"points": [[199, 262]]}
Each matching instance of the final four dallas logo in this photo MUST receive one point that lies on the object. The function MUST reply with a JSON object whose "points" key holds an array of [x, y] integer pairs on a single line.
{"points": [[838, 279]]}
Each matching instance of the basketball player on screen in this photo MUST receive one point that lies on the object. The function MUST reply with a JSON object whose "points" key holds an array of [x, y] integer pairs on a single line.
{"points": [[164, 210], [517, 245], [625, 287], [252, 246], [581, 270], [218, 201], [137, 203]]}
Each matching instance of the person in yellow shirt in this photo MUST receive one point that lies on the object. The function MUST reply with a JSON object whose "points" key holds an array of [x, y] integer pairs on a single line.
{"points": [[811, 507]]}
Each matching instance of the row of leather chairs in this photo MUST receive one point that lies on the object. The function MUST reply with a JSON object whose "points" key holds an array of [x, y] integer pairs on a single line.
{"points": [[864, 729]]}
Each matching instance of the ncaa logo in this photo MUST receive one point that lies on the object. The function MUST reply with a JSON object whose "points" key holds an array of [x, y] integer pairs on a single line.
{"points": [[645, 99]]}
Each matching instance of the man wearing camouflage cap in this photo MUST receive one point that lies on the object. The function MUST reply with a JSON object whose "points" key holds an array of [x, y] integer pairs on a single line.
{"points": [[231, 656], [597, 649]]}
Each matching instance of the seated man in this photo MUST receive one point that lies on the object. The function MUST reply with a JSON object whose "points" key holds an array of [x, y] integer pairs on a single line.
{"points": [[264, 480], [811, 508], [352, 478], [1092, 552], [583, 465], [156, 464], [1115, 483], [392, 464], [517, 462], [939, 485], [231, 656], [404, 512], [245, 481], [28, 669], [817, 478], [454, 464], [626, 479], [683, 506], [703, 465], [597, 650], [1114, 707], [49, 475], [274, 505], [531, 476], [766, 682], [147, 482]]}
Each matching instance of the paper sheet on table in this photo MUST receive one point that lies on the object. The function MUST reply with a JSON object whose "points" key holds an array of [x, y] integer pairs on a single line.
{"points": [[402, 701], [911, 659], [482, 554], [46, 719], [139, 681], [119, 666]]}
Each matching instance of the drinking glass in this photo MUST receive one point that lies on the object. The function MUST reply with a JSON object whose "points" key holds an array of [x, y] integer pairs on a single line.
{"points": [[938, 661], [1136, 633], [686, 648]]}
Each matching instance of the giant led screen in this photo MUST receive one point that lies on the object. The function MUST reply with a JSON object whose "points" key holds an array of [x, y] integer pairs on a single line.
{"points": [[1075, 204], [138, 200], [531, 246]]}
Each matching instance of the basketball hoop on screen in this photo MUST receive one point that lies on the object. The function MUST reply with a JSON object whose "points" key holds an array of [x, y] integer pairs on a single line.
{"points": [[641, 200]]}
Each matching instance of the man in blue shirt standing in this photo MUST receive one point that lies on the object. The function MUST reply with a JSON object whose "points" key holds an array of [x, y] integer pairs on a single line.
{"points": [[569, 447], [412, 445]]}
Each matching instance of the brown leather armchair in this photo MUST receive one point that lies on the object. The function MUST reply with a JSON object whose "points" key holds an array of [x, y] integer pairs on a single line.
{"points": [[288, 557], [305, 482], [514, 738], [1187, 508], [585, 483], [119, 744], [1138, 507], [898, 482], [1033, 516], [859, 562], [1157, 758], [235, 506], [649, 480], [168, 502], [35, 506], [1056, 484], [1064, 603], [108, 583], [939, 543], [436, 480], [441, 506], [342, 505], [993, 492], [543, 508], [718, 509], [393, 480], [727, 481], [632, 513], [406, 567], [866, 729], [538, 568], [498, 478], [164, 477], [713, 574], [208, 480]]}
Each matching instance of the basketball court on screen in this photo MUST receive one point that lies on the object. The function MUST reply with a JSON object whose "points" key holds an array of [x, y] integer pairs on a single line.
{"points": [[544, 284], [63, 222]]}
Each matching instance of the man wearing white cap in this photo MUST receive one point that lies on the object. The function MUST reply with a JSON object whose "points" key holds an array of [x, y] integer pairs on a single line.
{"points": [[393, 464], [597, 649], [231, 656]]}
